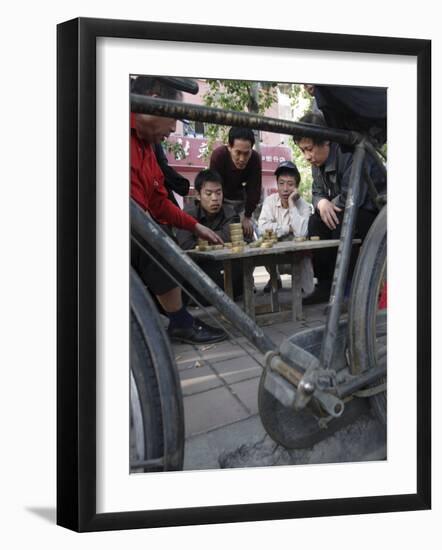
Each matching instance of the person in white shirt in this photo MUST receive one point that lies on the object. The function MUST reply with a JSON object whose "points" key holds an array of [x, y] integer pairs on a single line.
{"points": [[287, 214]]}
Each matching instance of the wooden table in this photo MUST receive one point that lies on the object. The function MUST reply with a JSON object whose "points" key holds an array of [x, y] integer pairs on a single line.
{"points": [[284, 252]]}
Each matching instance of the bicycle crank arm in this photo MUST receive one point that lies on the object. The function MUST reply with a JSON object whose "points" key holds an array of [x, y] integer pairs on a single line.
{"points": [[307, 390], [330, 403]]}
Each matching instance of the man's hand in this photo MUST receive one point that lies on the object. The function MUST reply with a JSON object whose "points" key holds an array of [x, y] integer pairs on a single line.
{"points": [[247, 227], [294, 197], [207, 234], [327, 211]]}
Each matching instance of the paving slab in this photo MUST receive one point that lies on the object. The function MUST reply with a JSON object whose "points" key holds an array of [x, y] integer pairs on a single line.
{"points": [[259, 358], [251, 350], [187, 359], [199, 379], [238, 369], [211, 409], [178, 349], [247, 392], [202, 452], [224, 350]]}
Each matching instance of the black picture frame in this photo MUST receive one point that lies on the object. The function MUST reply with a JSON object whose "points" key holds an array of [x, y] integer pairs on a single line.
{"points": [[76, 274]]}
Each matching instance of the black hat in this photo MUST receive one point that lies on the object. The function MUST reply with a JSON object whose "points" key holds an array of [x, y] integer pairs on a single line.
{"points": [[140, 83], [287, 165], [183, 84]]}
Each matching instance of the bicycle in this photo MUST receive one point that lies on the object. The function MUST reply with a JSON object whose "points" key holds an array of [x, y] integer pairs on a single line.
{"points": [[315, 376]]}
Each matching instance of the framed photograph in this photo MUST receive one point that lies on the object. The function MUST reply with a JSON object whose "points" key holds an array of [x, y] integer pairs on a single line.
{"points": [[140, 422]]}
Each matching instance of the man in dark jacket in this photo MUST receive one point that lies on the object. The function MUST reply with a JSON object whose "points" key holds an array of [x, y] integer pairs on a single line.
{"points": [[174, 182], [210, 211], [331, 169]]}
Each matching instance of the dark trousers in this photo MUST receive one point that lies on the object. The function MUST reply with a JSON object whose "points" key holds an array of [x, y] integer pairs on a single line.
{"points": [[324, 260], [157, 280], [213, 269], [152, 268]]}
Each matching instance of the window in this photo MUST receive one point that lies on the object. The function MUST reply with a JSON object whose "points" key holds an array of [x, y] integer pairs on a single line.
{"points": [[193, 129]]}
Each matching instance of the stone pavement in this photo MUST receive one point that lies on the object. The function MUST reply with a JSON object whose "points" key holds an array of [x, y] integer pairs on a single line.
{"points": [[220, 389]]}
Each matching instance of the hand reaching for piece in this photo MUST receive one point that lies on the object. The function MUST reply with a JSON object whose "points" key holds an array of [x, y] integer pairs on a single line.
{"points": [[207, 234]]}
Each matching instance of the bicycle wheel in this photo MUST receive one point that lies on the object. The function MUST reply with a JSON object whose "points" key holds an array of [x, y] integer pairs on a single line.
{"points": [[368, 312], [145, 406], [156, 405]]}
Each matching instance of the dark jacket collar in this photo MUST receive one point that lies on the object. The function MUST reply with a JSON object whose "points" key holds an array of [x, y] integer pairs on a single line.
{"points": [[330, 164], [201, 215]]}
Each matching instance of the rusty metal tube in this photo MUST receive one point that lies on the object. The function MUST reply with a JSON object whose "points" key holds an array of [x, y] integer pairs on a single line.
{"points": [[178, 110], [289, 373]]}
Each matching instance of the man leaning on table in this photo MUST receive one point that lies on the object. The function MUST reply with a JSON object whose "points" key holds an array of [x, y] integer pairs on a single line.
{"points": [[331, 170], [286, 213]]}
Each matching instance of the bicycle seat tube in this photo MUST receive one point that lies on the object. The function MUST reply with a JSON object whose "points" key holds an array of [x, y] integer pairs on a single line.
{"points": [[343, 256]]}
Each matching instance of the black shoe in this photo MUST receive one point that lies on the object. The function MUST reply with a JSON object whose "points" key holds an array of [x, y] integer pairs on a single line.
{"points": [[320, 295], [268, 286], [198, 333]]}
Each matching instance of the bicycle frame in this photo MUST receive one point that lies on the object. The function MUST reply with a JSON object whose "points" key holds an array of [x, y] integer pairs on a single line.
{"points": [[305, 379]]}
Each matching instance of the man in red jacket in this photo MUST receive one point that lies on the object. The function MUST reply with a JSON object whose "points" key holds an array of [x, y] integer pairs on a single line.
{"points": [[149, 191]]}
